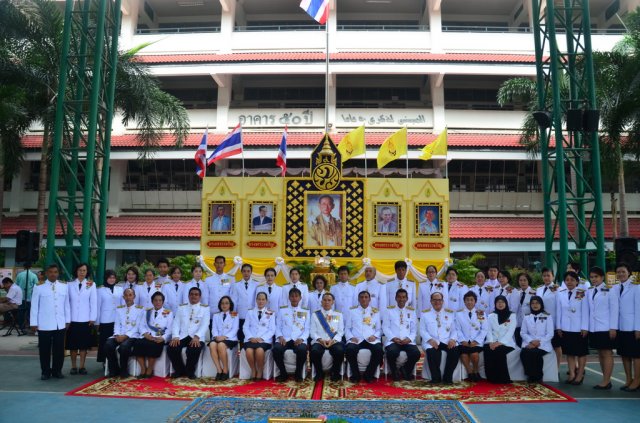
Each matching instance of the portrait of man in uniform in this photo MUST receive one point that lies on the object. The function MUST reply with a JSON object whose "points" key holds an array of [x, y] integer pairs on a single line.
{"points": [[262, 217], [324, 220], [221, 217], [386, 218], [428, 217]]}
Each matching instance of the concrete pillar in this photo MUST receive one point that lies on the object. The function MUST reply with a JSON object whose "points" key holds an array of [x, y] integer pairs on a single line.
{"points": [[436, 87], [435, 25], [130, 9], [16, 196], [118, 175], [224, 101], [333, 28], [227, 24]]}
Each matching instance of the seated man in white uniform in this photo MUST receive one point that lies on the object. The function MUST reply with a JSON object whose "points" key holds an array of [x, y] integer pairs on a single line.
{"points": [[125, 333], [438, 333], [327, 330], [400, 327], [363, 331], [292, 331]]}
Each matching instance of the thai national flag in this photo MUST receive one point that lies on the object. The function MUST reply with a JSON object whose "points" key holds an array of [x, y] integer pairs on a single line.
{"points": [[201, 156], [230, 146], [281, 160], [317, 9]]}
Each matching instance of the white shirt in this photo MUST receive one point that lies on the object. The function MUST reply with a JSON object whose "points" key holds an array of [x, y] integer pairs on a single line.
{"points": [[225, 327], [394, 285], [504, 332], [429, 287], [344, 295], [218, 285], [455, 298], [293, 323], [315, 300], [157, 323], [603, 308], [485, 298], [83, 301], [472, 328], [537, 328], [243, 295], [439, 326], [145, 291], [263, 328], [362, 323], [377, 290], [548, 297], [274, 297], [304, 289], [172, 295], [14, 294], [191, 320], [107, 303], [204, 292], [128, 321], [572, 315], [335, 321], [49, 306], [629, 306], [400, 323], [522, 307]]}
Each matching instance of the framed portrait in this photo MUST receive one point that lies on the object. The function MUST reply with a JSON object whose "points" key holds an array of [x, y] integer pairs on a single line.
{"points": [[387, 219], [262, 217], [428, 221], [222, 217], [324, 219]]}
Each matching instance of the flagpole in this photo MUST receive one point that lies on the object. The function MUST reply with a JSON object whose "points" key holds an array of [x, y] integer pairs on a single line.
{"points": [[407, 159], [326, 74], [366, 174]]}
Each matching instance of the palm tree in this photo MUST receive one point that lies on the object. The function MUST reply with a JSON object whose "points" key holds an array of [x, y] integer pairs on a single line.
{"points": [[34, 34]]}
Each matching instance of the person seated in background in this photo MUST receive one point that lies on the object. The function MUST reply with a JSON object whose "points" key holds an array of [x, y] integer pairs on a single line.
{"points": [[125, 332], [438, 333], [327, 331], [400, 327], [363, 331], [224, 336], [190, 327], [537, 331], [260, 328], [155, 331], [472, 330], [292, 331], [500, 341], [13, 299]]}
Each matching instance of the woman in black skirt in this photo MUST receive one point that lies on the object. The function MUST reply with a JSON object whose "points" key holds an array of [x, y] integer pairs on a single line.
{"points": [[537, 332], [83, 305], [500, 341], [109, 297], [472, 326], [156, 332], [224, 336], [572, 326]]}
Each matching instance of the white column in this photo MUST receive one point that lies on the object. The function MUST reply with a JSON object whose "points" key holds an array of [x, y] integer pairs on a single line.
{"points": [[435, 25], [118, 175], [130, 9], [16, 196], [436, 87], [227, 23], [224, 101]]}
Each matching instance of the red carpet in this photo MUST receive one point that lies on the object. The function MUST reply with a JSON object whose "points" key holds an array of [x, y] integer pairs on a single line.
{"points": [[185, 389]]}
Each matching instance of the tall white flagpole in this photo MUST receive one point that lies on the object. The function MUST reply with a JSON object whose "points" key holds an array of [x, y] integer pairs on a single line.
{"points": [[326, 74]]}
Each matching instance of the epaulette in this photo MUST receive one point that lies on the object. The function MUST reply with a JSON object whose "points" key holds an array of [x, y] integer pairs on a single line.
{"points": [[148, 308], [635, 283], [448, 310], [426, 310], [262, 284], [140, 283], [580, 290], [40, 283], [591, 287], [305, 308], [121, 306], [374, 310], [139, 306], [391, 306], [562, 290], [183, 304], [382, 282], [284, 306], [166, 309], [353, 307], [410, 308], [546, 313], [460, 284], [204, 305], [185, 282]]}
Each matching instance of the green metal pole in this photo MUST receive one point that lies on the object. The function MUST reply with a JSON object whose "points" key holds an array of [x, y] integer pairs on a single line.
{"points": [[547, 185], [85, 243], [593, 139], [104, 183], [561, 216], [57, 137]]}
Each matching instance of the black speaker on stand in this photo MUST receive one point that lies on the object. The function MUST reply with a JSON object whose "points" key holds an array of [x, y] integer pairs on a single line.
{"points": [[27, 246], [627, 252]]}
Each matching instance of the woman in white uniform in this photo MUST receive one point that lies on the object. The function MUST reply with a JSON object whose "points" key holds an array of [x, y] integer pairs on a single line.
{"points": [[500, 341], [109, 297], [572, 326], [155, 329], [259, 330], [537, 332], [315, 297], [224, 336]]}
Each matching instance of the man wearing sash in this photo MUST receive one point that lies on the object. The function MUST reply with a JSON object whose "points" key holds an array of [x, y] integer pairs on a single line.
{"points": [[327, 329]]}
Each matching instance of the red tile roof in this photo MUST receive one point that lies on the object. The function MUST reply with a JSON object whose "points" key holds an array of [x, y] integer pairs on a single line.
{"points": [[336, 57], [462, 228], [261, 139]]}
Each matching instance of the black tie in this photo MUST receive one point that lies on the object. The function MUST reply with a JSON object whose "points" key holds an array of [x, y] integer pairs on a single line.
{"points": [[501, 291], [319, 295], [259, 315], [522, 297], [449, 287], [80, 285], [269, 290], [148, 289], [131, 286], [155, 315], [595, 291], [480, 290], [621, 289], [224, 316], [246, 285], [544, 291], [110, 287], [198, 285], [177, 287], [469, 315], [570, 293], [535, 319]]}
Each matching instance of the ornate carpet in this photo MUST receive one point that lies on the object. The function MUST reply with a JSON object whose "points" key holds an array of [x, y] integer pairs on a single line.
{"points": [[228, 410], [185, 389]]}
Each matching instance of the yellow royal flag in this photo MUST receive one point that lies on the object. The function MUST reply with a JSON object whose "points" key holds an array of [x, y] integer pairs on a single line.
{"points": [[352, 144], [393, 148], [436, 148]]}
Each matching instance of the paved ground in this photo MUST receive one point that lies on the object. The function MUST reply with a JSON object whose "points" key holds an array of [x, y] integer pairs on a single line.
{"points": [[25, 398]]}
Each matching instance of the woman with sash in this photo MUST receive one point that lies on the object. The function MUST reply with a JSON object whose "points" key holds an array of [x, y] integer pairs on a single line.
{"points": [[156, 332], [224, 336]]}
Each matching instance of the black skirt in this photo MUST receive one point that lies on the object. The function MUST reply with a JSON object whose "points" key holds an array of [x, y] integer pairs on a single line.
{"points": [[469, 350], [255, 345], [145, 348], [230, 344], [573, 343], [106, 331], [556, 341], [601, 341], [628, 345], [79, 336]]}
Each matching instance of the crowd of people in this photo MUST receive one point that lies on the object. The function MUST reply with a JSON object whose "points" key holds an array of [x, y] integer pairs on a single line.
{"points": [[492, 318]]}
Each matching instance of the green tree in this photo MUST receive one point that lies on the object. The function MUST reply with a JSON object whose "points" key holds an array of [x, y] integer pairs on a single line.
{"points": [[31, 42]]}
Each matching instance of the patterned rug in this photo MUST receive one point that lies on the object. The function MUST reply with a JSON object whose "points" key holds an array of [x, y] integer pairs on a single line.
{"points": [[466, 392], [228, 410], [185, 389]]}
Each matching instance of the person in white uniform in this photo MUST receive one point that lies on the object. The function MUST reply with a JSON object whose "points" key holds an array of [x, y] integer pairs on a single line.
{"points": [[243, 295], [628, 338], [537, 331], [522, 297], [292, 330], [190, 327], [401, 282], [294, 275], [196, 281], [319, 285], [455, 291], [172, 290], [125, 332], [377, 290], [50, 316], [145, 291], [547, 291], [439, 333], [271, 288], [327, 333], [492, 276], [400, 328], [219, 284], [224, 336], [343, 292], [83, 304], [472, 329], [260, 329], [155, 331], [428, 287], [484, 293], [131, 278], [109, 298], [363, 330], [500, 340], [572, 326]]}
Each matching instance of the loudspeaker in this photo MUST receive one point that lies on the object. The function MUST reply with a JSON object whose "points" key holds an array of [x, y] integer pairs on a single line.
{"points": [[627, 252], [27, 248]]}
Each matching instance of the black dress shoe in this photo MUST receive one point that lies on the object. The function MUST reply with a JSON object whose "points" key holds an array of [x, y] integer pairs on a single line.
{"points": [[281, 378], [58, 375], [175, 375], [354, 379], [627, 389], [74, 371], [45, 377], [192, 376], [335, 378], [368, 378], [603, 388], [318, 377], [299, 379], [82, 371]]}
